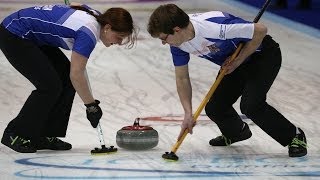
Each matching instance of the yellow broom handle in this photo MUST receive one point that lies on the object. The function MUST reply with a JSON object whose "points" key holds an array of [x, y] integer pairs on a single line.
{"points": [[206, 99]]}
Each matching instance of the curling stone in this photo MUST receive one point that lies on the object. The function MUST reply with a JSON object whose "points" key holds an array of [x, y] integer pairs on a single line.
{"points": [[137, 137]]}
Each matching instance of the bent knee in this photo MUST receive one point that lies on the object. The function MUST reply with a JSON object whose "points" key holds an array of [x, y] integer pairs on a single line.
{"points": [[251, 109]]}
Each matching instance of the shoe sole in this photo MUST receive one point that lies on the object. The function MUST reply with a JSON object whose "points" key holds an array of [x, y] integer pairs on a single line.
{"points": [[53, 149], [9, 146], [298, 155], [247, 137], [303, 153]]}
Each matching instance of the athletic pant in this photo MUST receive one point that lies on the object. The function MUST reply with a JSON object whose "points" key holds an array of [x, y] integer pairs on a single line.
{"points": [[46, 111], [251, 80]]}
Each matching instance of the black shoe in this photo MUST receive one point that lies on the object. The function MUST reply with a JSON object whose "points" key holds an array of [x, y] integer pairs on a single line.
{"points": [[52, 143], [298, 146], [17, 143], [224, 141]]}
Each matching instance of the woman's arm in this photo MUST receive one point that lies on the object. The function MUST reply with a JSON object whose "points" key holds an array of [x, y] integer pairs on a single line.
{"points": [[78, 77]]}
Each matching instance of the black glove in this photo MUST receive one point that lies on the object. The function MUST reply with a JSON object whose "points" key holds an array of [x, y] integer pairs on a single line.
{"points": [[94, 113]]}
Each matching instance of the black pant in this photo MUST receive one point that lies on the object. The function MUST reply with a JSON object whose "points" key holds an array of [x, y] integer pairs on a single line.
{"points": [[252, 81], [46, 111]]}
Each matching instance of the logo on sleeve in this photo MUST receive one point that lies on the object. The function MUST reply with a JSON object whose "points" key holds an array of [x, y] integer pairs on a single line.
{"points": [[222, 34], [213, 48]]}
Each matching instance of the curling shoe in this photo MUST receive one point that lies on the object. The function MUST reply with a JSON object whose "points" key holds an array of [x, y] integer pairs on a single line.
{"points": [[17, 143], [224, 141], [52, 143], [298, 145]]}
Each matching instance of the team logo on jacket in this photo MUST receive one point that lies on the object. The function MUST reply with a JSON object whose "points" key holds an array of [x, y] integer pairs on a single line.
{"points": [[213, 48], [222, 34]]}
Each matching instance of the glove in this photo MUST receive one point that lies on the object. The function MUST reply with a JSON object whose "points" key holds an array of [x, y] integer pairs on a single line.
{"points": [[94, 113]]}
